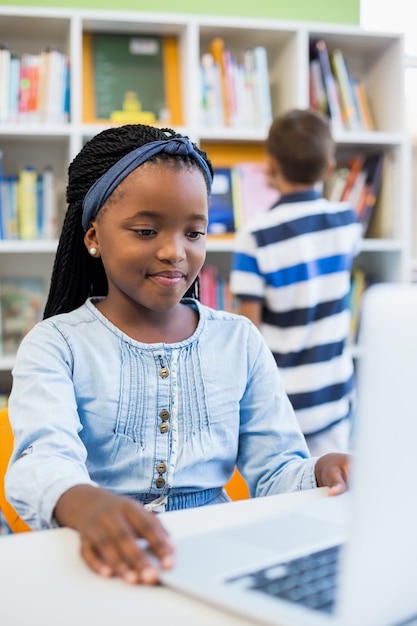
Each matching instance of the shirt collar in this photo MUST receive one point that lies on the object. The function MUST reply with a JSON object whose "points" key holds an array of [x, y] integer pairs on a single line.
{"points": [[298, 196]]}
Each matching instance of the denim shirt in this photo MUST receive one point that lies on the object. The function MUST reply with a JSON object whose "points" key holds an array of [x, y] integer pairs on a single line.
{"points": [[90, 405]]}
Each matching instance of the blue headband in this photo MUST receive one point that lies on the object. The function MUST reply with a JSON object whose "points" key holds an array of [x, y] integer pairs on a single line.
{"points": [[106, 184]]}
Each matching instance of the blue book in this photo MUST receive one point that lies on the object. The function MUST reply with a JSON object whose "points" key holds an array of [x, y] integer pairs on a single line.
{"points": [[221, 207]]}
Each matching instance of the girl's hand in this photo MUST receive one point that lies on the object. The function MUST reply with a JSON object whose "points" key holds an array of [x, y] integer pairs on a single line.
{"points": [[110, 526], [332, 470]]}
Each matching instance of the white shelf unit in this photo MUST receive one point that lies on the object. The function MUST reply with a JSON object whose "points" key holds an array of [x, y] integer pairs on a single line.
{"points": [[377, 58]]}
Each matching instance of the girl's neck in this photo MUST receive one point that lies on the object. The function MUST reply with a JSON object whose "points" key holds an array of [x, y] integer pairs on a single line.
{"points": [[148, 326]]}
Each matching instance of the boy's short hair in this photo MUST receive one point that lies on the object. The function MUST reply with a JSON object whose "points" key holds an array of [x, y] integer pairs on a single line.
{"points": [[301, 141]]}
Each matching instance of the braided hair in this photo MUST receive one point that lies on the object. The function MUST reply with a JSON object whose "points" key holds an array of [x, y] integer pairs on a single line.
{"points": [[77, 276]]}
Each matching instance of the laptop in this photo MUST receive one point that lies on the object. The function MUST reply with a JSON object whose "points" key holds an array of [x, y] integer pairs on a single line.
{"points": [[348, 560]]}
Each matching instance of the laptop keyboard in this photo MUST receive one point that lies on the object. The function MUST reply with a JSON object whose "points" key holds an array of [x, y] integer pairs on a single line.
{"points": [[309, 580]]}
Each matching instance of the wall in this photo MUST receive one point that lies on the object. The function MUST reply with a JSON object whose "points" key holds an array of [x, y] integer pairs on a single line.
{"points": [[346, 12]]}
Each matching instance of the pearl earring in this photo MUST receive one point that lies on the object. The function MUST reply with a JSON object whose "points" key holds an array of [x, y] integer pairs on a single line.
{"points": [[93, 251]]}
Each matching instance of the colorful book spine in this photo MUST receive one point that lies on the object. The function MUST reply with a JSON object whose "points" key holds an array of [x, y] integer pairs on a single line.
{"points": [[48, 207], [318, 97], [355, 166], [263, 88], [14, 88], [9, 207], [217, 47], [319, 51], [27, 203], [1, 197], [29, 88], [374, 169], [172, 78], [221, 208], [363, 106], [5, 61], [211, 99], [347, 96]]}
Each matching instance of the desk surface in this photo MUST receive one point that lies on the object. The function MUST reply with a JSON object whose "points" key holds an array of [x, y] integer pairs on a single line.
{"points": [[43, 580]]}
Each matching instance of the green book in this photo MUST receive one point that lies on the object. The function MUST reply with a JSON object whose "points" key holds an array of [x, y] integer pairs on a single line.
{"points": [[128, 74]]}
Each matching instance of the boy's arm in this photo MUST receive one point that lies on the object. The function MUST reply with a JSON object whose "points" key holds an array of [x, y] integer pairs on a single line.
{"points": [[251, 309]]}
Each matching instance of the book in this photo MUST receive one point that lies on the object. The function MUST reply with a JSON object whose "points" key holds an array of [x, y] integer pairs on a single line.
{"points": [[221, 207], [358, 284], [336, 183], [211, 98], [1, 197], [373, 168], [10, 226], [29, 93], [47, 205], [262, 83], [27, 211], [254, 193], [355, 165], [21, 302], [172, 77], [217, 50], [127, 78], [14, 88], [347, 95], [358, 182], [5, 62], [319, 51], [214, 289], [363, 106], [208, 285], [54, 86], [318, 96], [249, 99]]}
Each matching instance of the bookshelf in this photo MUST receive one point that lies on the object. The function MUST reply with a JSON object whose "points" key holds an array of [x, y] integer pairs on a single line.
{"points": [[376, 58]]}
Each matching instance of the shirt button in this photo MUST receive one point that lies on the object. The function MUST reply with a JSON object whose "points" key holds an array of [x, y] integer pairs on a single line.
{"points": [[164, 372], [161, 468], [164, 415], [164, 427], [159, 482]]}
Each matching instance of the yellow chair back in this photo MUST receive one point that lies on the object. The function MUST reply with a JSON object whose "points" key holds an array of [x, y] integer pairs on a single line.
{"points": [[237, 488], [16, 524]]}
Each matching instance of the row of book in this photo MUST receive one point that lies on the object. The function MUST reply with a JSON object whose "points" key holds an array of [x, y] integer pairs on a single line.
{"points": [[22, 300], [358, 181], [235, 91], [238, 193], [137, 78], [241, 192], [28, 204], [34, 88], [336, 92], [215, 291]]}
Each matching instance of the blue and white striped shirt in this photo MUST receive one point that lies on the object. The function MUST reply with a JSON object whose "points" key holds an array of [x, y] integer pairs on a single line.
{"points": [[296, 259]]}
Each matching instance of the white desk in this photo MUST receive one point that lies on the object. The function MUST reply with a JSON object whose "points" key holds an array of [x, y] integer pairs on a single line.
{"points": [[44, 582]]}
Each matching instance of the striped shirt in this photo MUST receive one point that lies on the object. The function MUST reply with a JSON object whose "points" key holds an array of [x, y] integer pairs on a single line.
{"points": [[296, 259]]}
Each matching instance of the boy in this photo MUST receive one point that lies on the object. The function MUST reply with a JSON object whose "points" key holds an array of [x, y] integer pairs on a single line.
{"points": [[291, 271]]}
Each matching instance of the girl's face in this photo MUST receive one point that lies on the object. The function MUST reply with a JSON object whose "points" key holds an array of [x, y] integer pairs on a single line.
{"points": [[151, 236]]}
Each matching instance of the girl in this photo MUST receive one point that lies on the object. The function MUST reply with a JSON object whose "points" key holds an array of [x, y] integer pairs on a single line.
{"points": [[130, 397]]}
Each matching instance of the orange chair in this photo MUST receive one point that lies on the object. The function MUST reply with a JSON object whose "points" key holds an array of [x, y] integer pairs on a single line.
{"points": [[237, 488], [16, 524]]}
